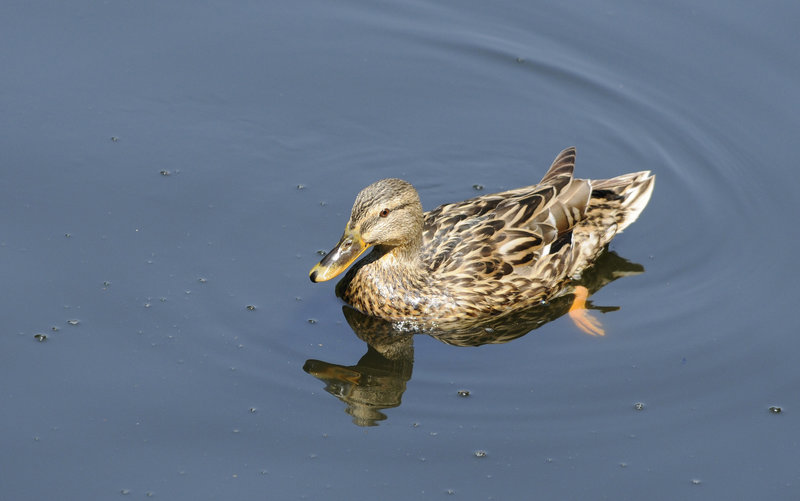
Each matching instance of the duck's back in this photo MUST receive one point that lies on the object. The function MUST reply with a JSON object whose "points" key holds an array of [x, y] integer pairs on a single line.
{"points": [[516, 247]]}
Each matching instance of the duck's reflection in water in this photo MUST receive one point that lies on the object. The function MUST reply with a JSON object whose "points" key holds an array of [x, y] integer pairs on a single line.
{"points": [[377, 381]]}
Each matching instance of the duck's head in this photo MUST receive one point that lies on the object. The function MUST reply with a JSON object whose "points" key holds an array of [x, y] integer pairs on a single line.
{"points": [[386, 213]]}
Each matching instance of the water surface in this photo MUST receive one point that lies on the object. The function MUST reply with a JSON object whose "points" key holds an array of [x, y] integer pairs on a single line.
{"points": [[170, 171]]}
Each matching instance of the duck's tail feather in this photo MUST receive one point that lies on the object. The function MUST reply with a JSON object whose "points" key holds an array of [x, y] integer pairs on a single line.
{"points": [[631, 192], [615, 204]]}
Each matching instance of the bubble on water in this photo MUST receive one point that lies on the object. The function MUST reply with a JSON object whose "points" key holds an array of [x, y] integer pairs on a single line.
{"points": [[165, 172], [125, 492], [251, 307], [322, 252], [40, 337], [477, 187], [202, 280], [639, 406], [312, 321], [73, 321], [774, 409], [463, 393], [301, 186], [696, 481], [480, 453]]}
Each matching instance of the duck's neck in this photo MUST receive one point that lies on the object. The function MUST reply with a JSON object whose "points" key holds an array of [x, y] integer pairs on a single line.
{"points": [[386, 283], [406, 254]]}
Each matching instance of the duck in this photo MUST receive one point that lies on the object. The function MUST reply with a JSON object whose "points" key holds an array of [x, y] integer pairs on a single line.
{"points": [[483, 257]]}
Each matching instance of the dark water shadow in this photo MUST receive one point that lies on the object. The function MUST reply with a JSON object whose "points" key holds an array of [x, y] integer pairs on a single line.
{"points": [[378, 380]]}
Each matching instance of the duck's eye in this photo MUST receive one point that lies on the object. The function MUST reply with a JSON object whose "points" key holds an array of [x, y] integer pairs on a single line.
{"points": [[384, 213]]}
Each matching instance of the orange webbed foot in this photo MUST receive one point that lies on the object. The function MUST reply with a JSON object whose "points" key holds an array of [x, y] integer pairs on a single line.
{"points": [[585, 321]]}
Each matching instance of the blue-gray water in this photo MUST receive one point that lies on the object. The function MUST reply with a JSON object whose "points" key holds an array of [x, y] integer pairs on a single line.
{"points": [[151, 159]]}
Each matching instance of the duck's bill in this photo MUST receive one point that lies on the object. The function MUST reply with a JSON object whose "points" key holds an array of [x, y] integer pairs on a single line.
{"points": [[339, 258]]}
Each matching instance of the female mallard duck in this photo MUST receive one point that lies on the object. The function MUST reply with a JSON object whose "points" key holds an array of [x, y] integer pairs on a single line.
{"points": [[480, 257]]}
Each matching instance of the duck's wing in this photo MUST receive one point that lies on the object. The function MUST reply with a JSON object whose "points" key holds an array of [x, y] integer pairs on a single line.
{"points": [[494, 235]]}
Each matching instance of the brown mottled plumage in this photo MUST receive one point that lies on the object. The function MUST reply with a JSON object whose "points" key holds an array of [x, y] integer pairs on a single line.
{"points": [[480, 257]]}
